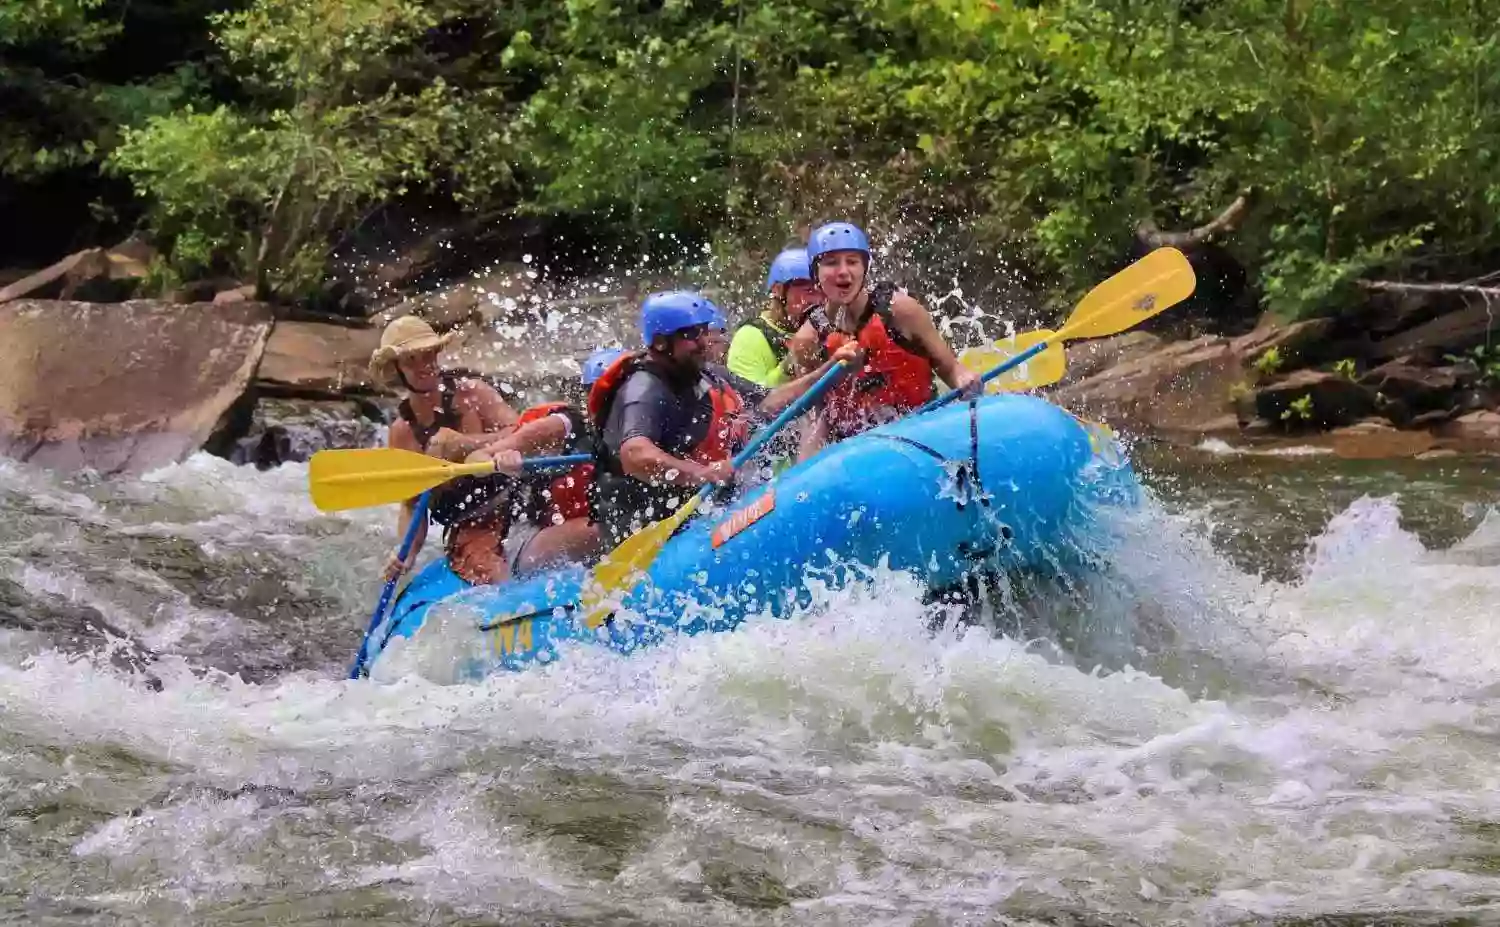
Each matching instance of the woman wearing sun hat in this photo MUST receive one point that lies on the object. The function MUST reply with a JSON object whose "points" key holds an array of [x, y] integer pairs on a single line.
{"points": [[450, 417]]}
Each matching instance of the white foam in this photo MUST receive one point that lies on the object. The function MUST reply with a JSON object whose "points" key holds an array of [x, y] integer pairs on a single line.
{"points": [[885, 772]]}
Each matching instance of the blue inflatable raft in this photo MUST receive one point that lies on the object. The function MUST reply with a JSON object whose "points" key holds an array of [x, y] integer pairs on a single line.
{"points": [[1003, 483]]}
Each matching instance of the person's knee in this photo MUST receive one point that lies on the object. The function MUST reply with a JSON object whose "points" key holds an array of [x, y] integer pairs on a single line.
{"points": [[475, 555]]}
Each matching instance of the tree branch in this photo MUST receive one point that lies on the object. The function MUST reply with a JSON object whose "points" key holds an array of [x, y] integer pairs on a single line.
{"points": [[1226, 221], [1390, 286]]}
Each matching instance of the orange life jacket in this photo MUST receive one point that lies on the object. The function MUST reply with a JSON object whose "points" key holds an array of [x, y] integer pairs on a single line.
{"points": [[896, 377], [726, 427], [568, 494]]}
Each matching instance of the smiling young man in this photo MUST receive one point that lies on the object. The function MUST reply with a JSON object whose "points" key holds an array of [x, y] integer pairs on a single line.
{"points": [[760, 352], [903, 348]]}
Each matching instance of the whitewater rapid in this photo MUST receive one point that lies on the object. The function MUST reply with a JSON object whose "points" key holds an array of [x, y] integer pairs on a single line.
{"points": [[1317, 744]]}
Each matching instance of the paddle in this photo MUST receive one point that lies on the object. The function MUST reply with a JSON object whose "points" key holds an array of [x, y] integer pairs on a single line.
{"points": [[622, 567], [418, 518], [1151, 285], [359, 477], [1043, 369]]}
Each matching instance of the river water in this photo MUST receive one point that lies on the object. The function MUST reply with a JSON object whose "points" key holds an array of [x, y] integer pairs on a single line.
{"points": [[1305, 732]]}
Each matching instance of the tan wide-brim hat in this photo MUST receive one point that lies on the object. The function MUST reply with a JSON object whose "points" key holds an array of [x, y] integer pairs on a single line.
{"points": [[404, 336]]}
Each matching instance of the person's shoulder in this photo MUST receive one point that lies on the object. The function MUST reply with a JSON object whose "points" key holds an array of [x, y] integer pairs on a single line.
{"points": [[642, 385], [902, 300], [472, 387], [400, 435], [906, 309], [739, 384]]}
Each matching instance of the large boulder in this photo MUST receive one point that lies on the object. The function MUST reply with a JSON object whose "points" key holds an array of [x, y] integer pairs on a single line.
{"points": [[1451, 333], [1331, 400], [1373, 439], [481, 300], [318, 359], [121, 388], [1094, 355], [1476, 431], [292, 430], [1300, 342], [1407, 391], [1183, 387]]}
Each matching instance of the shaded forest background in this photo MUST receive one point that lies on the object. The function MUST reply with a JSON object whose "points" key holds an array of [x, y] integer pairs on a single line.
{"points": [[1315, 143]]}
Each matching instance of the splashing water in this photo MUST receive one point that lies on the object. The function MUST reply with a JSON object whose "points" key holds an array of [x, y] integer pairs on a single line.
{"points": [[179, 745]]}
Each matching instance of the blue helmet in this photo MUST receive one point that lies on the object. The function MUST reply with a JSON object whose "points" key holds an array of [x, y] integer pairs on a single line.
{"points": [[836, 236], [596, 363], [665, 313], [718, 323], [791, 264]]}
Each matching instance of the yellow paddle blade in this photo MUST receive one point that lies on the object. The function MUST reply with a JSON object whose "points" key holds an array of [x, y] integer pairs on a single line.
{"points": [[624, 566], [1043, 369], [358, 477], [1157, 281]]}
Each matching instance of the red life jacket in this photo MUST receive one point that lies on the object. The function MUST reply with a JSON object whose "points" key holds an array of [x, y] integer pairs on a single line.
{"points": [[726, 428], [896, 378], [568, 494]]}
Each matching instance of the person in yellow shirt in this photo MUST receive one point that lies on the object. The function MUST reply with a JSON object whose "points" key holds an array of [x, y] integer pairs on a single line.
{"points": [[759, 351]]}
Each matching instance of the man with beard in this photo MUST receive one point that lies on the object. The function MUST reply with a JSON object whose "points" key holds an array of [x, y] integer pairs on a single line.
{"points": [[669, 420]]}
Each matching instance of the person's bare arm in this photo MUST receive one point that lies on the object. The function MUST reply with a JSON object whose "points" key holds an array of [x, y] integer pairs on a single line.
{"points": [[803, 351], [642, 459], [544, 436], [787, 393], [814, 437], [489, 407], [456, 447], [486, 402], [915, 322]]}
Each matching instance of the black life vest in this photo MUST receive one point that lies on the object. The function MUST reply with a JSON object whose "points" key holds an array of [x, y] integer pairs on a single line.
{"points": [[622, 504], [775, 338]]}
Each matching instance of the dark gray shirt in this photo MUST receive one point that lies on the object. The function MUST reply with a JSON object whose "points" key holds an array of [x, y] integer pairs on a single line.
{"points": [[673, 414]]}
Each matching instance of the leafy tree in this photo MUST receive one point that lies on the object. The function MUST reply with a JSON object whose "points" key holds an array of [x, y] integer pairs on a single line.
{"points": [[343, 112], [1046, 130]]}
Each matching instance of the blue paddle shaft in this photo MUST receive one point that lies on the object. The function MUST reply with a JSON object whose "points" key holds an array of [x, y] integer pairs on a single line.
{"points": [[997, 370], [789, 413], [538, 463], [418, 518]]}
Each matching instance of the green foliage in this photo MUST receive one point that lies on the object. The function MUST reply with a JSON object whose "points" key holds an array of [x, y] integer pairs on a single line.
{"points": [[264, 190], [1298, 410], [1366, 133], [64, 100], [1346, 368], [70, 23], [1487, 359], [1269, 362]]}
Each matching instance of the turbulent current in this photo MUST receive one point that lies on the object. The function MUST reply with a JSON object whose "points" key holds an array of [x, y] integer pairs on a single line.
{"points": [[1304, 728]]}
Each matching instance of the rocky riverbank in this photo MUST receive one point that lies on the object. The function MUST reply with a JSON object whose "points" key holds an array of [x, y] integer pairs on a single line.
{"points": [[123, 387], [128, 386], [1406, 375]]}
